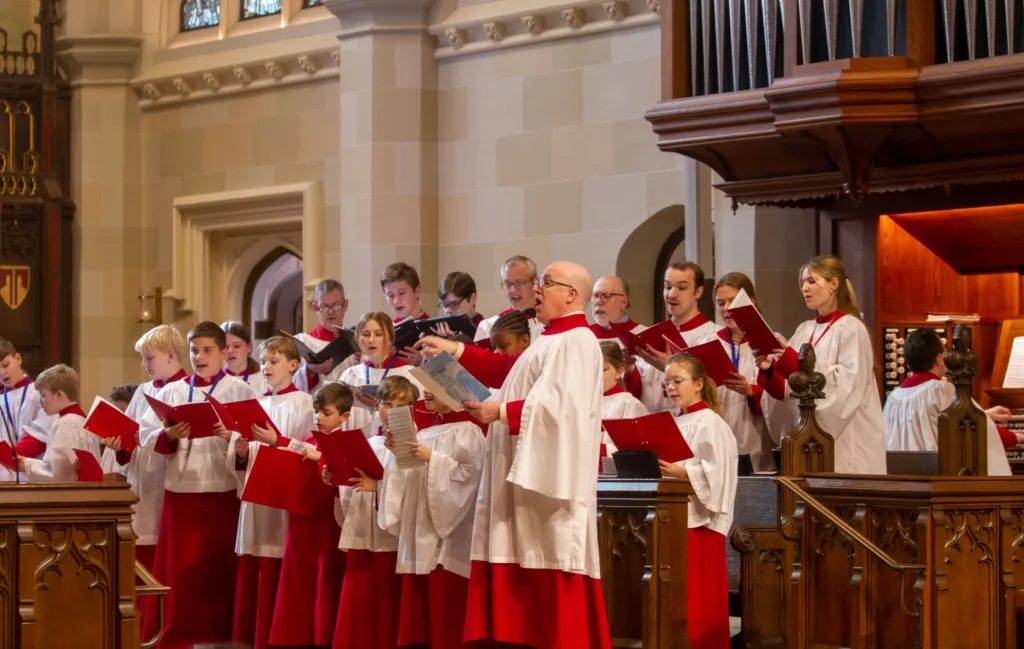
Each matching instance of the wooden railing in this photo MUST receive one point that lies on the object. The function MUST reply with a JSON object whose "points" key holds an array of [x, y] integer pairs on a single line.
{"points": [[152, 588], [717, 46]]}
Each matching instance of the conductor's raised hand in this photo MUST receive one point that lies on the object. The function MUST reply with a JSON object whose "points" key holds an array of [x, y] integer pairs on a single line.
{"points": [[485, 412], [435, 345]]}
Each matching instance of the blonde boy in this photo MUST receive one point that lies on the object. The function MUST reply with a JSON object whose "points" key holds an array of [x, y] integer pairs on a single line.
{"points": [[58, 393]]}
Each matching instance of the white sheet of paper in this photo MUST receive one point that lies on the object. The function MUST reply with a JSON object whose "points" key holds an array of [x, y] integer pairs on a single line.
{"points": [[403, 429], [1015, 368], [741, 299], [435, 389]]}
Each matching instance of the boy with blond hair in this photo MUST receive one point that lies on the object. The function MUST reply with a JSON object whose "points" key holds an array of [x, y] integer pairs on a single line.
{"points": [[58, 394]]}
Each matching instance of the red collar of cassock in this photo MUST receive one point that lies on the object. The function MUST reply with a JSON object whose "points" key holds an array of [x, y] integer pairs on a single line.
{"points": [[422, 316], [200, 382], [700, 405], [614, 390], [20, 384], [726, 335], [693, 322], [73, 409], [918, 378], [829, 317], [387, 361], [565, 323], [322, 333], [608, 333], [179, 375], [291, 388]]}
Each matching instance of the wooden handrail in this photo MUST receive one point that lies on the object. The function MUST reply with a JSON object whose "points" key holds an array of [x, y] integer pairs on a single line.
{"points": [[150, 586]]}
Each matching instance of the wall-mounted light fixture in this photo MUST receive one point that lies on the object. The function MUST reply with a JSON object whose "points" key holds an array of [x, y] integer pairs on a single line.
{"points": [[151, 307]]}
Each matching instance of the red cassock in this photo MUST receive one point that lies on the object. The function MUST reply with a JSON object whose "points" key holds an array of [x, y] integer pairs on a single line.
{"points": [[311, 579], [707, 595], [255, 593], [433, 610], [370, 598], [195, 556]]}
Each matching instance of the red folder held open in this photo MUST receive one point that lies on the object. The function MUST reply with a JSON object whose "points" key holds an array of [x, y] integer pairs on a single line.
{"points": [[240, 416], [199, 415], [106, 420], [654, 337], [657, 432], [345, 451], [283, 480], [746, 316], [716, 362]]}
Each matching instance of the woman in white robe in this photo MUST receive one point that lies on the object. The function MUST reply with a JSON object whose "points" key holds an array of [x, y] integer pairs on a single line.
{"points": [[430, 510], [851, 411], [712, 472]]}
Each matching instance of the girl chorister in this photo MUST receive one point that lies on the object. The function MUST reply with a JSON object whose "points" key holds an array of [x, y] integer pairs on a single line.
{"points": [[741, 397], [851, 410], [431, 509], [260, 541], [375, 334], [240, 362], [712, 473], [617, 403]]}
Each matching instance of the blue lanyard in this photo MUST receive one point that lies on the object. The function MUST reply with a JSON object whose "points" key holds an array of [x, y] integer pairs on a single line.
{"points": [[245, 377], [7, 406], [386, 370], [734, 351], [213, 386]]}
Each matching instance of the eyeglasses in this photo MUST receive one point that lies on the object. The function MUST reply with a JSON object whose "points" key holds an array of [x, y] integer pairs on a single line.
{"points": [[331, 308], [606, 297], [451, 306], [676, 382], [521, 285], [546, 282]]}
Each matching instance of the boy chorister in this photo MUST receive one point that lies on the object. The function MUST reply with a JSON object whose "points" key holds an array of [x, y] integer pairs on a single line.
{"points": [[26, 426], [314, 566], [712, 472], [401, 285], [368, 614], [195, 552], [912, 410], [262, 530], [162, 349], [58, 393], [431, 509]]}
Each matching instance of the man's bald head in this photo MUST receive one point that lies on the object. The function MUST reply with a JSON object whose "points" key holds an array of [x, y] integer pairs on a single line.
{"points": [[557, 300]]}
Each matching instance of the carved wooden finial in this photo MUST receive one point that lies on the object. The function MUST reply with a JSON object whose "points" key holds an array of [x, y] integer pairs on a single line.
{"points": [[807, 385], [963, 427]]}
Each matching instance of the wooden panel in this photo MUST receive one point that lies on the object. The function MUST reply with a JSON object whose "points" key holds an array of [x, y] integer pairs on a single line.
{"points": [[675, 49], [980, 239]]}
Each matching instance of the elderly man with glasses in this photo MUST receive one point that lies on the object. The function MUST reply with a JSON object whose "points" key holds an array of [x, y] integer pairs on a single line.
{"points": [[535, 575], [330, 305], [518, 275]]}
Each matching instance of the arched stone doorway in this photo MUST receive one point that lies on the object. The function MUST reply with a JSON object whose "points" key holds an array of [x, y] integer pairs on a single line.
{"points": [[272, 298]]}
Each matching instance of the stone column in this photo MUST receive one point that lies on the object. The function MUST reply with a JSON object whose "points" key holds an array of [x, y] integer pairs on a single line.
{"points": [[388, 85], [98, 51]]}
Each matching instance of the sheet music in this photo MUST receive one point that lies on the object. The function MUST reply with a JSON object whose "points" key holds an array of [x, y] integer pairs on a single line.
{"points": [[403, 429], [1015, 368], [741, 299], [448, 381]]}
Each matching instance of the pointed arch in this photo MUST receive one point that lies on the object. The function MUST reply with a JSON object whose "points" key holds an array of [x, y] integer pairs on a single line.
{"points": [[643, 257]]}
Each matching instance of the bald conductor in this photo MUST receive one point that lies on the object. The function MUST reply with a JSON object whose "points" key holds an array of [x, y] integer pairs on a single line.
{"points": [[535, 577]]}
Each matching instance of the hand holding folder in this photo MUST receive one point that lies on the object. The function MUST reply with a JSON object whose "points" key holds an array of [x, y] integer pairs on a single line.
{"points": [[200, 416], [106, 420], [344, 451], [282, 480], [240, 416], [659, 337], [759, 335], [657, 432]]}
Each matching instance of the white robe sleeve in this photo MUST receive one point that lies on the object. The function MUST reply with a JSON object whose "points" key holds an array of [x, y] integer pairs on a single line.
{"points": [[847, 380], [709, 474], [454, 480], [561, 422], [58, 463], [390, 496]]}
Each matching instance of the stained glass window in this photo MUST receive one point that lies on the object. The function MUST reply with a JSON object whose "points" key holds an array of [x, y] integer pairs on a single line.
{"points": [[196, 14], [257, 8]]}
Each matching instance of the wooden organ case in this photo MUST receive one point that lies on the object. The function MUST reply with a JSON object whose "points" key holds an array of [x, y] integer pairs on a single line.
{"points": [[36, 213]]}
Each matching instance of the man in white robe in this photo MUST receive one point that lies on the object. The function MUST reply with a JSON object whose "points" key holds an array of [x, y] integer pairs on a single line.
{"points": [[535, 574], [912, 410], [330, 305], [517, 276]]}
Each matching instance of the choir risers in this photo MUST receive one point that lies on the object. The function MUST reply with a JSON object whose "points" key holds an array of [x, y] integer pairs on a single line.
{"points": [[642, 531]]}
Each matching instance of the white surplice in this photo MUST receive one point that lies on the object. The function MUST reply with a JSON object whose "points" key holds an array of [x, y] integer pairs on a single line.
{"points": [[912, 422], [196, 465], [430, 508], [851, 411], [360, 530], [58, 463], [366, 374], [712, 469], [616, 404], [538, 493], [695, 332], [744, 415], [262, 530], [23, 415]]}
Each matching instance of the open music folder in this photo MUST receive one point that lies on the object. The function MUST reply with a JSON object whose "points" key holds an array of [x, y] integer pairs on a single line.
{"points": [[282, 479], [716, 362], [750, 321], [106, 420], [345, 451], [240, 416], [200, 415], [659, 337], [656, 432]]}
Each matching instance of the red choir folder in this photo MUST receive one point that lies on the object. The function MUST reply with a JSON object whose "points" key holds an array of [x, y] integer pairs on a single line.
{"points": [[7, 456], [199, 415], [345, 451], [716, 362], [283, 480], [88, 468], [759, 335], [106, 420], [657, 432], [659, 337], [240, 416]]}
